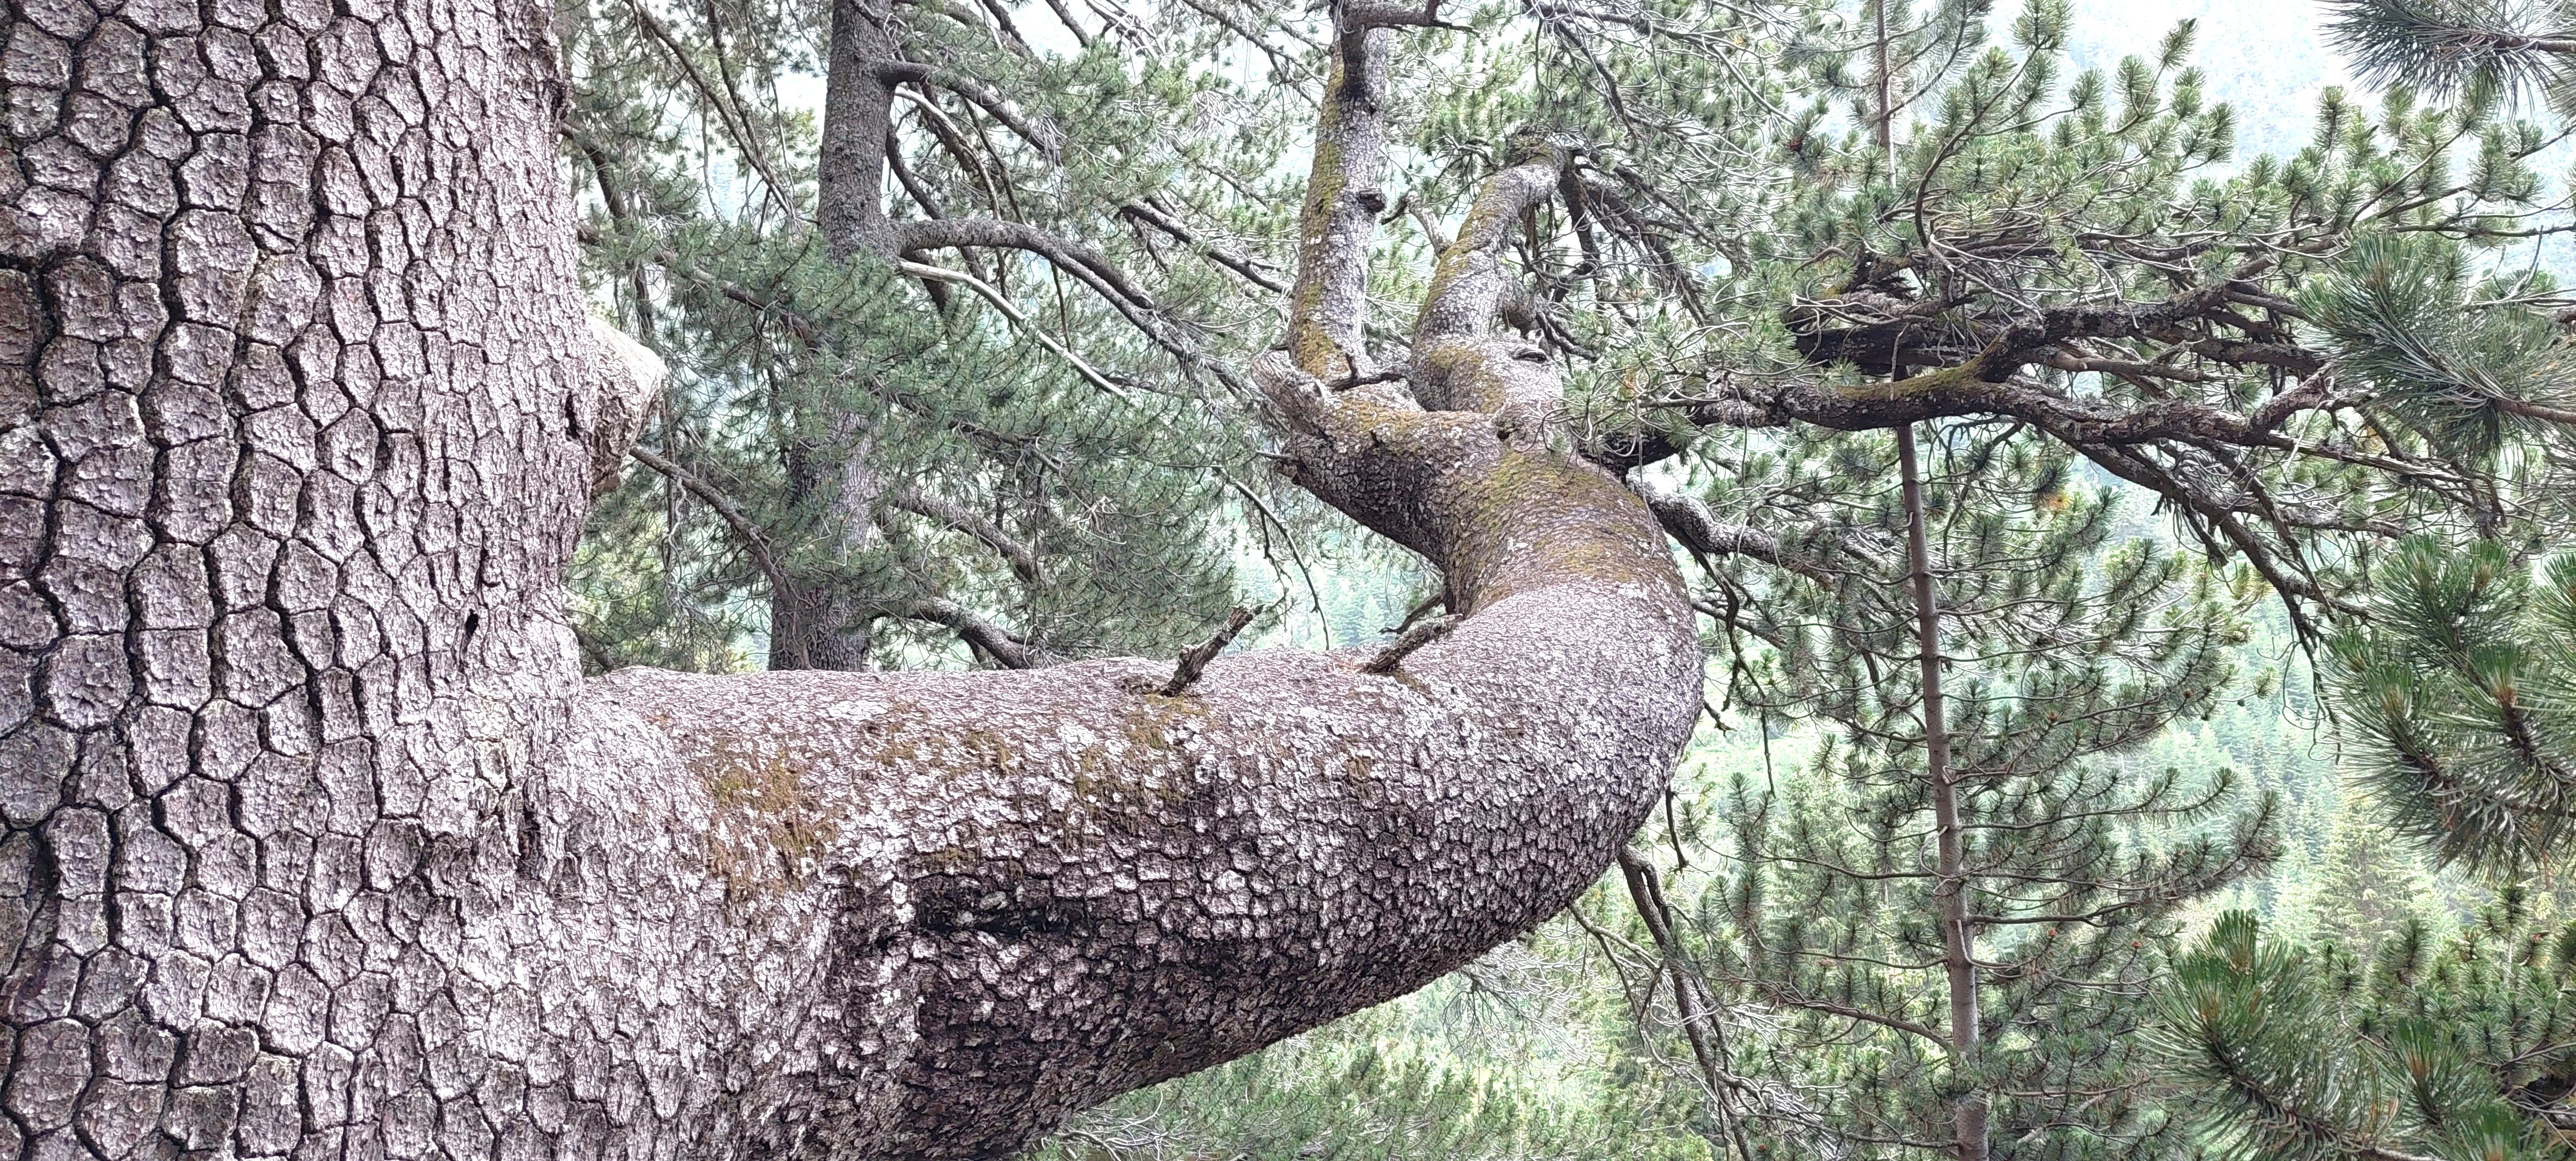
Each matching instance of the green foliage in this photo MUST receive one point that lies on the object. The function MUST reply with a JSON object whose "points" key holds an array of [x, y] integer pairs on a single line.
{"points": [[2458, 701], [2069, 646], [2461, 1049], [874, 391], [1461, 1070], [2460, 364], [2366, 886], [2448, 46]]}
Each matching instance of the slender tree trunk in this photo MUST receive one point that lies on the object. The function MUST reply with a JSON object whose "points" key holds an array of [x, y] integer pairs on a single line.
{"points": [[1700, 1025], [1884, 125], [317, 845], [1958, 945]]}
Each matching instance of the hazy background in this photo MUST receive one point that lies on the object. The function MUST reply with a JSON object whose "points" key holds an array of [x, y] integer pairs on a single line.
{"points": [[2266, 58]]}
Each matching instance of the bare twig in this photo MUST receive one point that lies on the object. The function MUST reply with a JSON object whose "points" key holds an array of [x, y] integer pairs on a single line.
{"points": [[1418, 635], [1194, 660]]}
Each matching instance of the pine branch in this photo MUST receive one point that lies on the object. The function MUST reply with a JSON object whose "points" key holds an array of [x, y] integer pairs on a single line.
{"points": [[1023, 561]]}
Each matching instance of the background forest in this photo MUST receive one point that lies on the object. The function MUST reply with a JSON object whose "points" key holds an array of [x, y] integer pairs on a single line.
{"points": [[2256, 844]]}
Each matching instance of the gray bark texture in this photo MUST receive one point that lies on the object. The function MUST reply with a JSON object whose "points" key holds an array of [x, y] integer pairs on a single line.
{"points": [[318, 845]]}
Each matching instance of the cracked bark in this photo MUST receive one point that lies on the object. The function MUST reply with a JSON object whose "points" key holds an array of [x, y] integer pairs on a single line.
{"points": [[318, 845]]}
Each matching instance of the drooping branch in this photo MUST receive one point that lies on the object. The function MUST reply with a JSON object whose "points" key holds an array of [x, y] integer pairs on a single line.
{"points": [[1005, 647], [1020, 319], [866, 68], [1688, 519], [753, 539], [1023, 560], [1046, 139], [1156, 217], [1086, 265], [1008, 649], [1064, 17], [728, 106]]}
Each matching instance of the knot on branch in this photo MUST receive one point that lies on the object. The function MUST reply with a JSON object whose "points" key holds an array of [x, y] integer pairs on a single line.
{"points": [[608, 412]]}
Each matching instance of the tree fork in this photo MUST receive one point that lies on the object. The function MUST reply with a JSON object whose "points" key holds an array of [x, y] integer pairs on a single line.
{"points": [[318, 843]]}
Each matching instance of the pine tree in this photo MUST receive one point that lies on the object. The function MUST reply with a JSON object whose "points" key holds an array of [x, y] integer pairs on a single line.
{"points": [[2461, 1049], [2366, 887], [2458, 703], [2038, 268], [2064, 648], [1007, 462]]}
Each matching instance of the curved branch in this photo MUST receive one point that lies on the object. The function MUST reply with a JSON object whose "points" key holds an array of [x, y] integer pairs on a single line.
{"points": [[1020, 319], [1468, 285], [1044, 138], [1006, 648], [1154, 216], [1689, 520], [1023, 562], [1086, 264], [736, 122], [980, 900], [753, 539]]}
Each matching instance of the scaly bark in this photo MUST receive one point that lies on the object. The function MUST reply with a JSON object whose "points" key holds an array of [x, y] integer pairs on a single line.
{"points": [[318, 845]]}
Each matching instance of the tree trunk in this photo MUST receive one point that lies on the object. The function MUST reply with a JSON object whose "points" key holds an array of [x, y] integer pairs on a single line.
{"points": [[1949, 895], [817, 620], [317, 845]]}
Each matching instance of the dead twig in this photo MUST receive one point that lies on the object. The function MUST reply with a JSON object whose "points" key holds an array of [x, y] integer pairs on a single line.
{"points": [[1194, 660], [1413, 638]]}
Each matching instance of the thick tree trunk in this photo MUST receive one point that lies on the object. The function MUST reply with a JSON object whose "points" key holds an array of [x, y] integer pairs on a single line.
{"points": [[317, 846]]}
